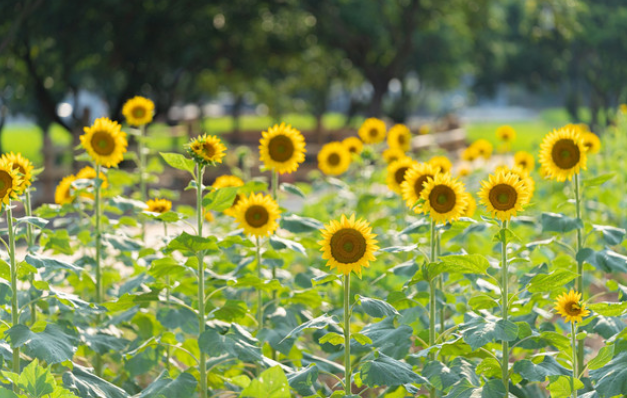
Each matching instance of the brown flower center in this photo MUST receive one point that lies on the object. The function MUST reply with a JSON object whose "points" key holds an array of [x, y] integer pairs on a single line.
{"points": [[334, 159], [257, 216], [103, 143], [399, 175], [159, 209], [565, 154], [352, 149], [442, 198], [401, 140], [419, 185], [6, 183], [373, 133], [281, 148], [573, 308], [503, 197], [348, 246], [209, 150], [139, 112]]}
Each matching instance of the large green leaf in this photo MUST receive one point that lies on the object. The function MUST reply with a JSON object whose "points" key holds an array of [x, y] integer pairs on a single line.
{"points": [[220, 199], [178, 161], [178, 317], [36, 380], [320, 322], [52, 345], [86, 385], [297, 224], [465, 389], [282, 243], [605, 260], [272, 383], [539, 368], [192, 243], [460, 264], [293, 189], [390, 339], [556, 222], [609, 309], [442, 377], [303, 381], [612, 235], [165, 387], [479, 331], [376, 308], [548, 283], [235, 342], [560, 386], [386, 371], [611, 379]]}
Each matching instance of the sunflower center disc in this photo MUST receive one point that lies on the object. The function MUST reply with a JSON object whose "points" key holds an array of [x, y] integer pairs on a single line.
{"points": [[373, 133], [573, 308], [102, 143], [565, 154], [281, 148], [257, 216], [139, 112], [442, 199], [420, 184], [503, 197], [401, 139], [209, 150], [348, 246], [333, 159], [6, 182], [399, 176]]}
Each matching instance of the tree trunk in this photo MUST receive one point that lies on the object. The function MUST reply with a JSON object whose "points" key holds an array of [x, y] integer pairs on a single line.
{"points": [[49, 166], [320, 132], [380, 87], [235, 114], [3, 119]]}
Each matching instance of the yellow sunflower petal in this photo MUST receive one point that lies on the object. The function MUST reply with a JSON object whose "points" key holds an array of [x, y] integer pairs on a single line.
{"points": [[105, 142], [504, 194], [372, 131], [354, 145], [396, 173], [24, 168], [257, 215], [138, 111], [157, 205], [562, 154], [282, 148], [444, 198], [206, 149], [399, 137], [334, 159]]}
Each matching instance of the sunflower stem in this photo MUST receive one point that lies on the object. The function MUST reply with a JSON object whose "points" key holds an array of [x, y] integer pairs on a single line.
{"points": [[201, 282], [30, 243], [432, 301], [574, 342], [15, 315], [142, 180], [504, 297], [259, 298], [275, 196], [347, 336], [578, 231], [440, 280], [167, 300], [99, 285]]}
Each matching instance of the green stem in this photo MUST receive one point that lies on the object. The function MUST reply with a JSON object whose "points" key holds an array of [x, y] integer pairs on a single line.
{"points": [[504, 305], [201, 282], [432, 301], [142, 167], [579, 232], [275, 196], [167, 299], [30, 243], [259, 297], [347, 336], [575, 367], [99, 285], [15, 315], [440, 281]]}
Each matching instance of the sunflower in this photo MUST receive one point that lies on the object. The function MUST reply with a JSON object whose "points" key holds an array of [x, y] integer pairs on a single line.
{"points": [[138, 111], [471, 206], [623, 109], [63, 194], [399, 137], [10, 181], [483, 148], [348, 245], [353, 145], [282, 148], [23, 166], [226, 181], [470, 153], [506, 133], [334, 159], [157, 205], [392, 155], [444, 198], [524, 160], [206, 149], [591, 142], [209, 216], [441, 164], [396, 173], [424, 129], [503, 194], [464, 170], [569, 306], [88, 173], [528, 184], [372, 131], [257, 214], [105, 142], [562, 154], [414, 183]]}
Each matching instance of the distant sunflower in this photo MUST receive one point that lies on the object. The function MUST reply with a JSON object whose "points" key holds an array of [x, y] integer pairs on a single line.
{"points": [[464, 170], [525, 161], [157, 205], [569, 306], [623, 109], [88, 173], [105, 142], [207, 149], [282, 148], [23, 166], [226, 181], [138, 111], [470, 153], [334, 159], [257, 214], [353, 144], [471, 206], [506, 133], [484, 148], [415, 180], [348, 245], [392, 155], [372, 131], [399, 137], [10, 181], [441, 164], [424, 129], [444, 198], [591, 142], [63, 194], [563, 154], [396, 173], [209, 216], [503, 195]]}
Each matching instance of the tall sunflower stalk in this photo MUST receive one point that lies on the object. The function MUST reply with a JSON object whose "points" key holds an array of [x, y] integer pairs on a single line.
{"points": [[348, 245], [505, 303]]}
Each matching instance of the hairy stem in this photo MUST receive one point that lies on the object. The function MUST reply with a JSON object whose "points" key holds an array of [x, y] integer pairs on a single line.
{"points": [[347, 336], [504, 305], [579, 246], [99, 285], [201, 282], [575, 367], [432, 301], [15, 315]]}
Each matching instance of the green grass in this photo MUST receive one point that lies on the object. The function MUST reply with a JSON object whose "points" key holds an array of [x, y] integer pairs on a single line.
{"points": [[28, 139]]}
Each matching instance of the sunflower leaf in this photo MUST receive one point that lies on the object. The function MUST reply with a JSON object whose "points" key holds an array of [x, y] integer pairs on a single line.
{"points": [[178, 161]]}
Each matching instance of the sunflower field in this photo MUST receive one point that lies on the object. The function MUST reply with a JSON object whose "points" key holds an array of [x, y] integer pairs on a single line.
{"points": [[391, 273]]}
